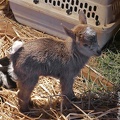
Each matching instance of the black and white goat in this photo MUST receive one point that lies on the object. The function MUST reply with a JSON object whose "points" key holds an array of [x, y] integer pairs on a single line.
{"points": [[7, 75], [5, 79]]}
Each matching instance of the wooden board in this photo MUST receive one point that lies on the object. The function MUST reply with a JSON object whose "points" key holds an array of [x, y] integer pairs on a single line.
{"points": [[96, 77]]}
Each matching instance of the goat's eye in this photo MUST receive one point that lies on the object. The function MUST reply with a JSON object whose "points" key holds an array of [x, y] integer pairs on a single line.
{"points": [[85, 45]]}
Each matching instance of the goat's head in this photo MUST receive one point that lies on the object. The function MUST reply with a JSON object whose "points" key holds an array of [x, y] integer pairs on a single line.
{"points": [[84, 37]]}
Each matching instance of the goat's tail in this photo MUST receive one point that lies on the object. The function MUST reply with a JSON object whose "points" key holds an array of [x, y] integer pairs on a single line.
{"points": [[16, 45]]}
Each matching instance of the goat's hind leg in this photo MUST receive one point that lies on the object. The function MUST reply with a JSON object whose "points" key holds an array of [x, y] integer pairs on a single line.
{"points": [[25, 89]]}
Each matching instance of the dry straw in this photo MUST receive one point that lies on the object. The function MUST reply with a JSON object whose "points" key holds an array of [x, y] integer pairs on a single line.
{"points": [[95, 103]]}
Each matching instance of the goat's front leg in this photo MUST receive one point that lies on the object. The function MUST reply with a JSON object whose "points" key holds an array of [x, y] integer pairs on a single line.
{"points": [[25, 89], [67, 90]]}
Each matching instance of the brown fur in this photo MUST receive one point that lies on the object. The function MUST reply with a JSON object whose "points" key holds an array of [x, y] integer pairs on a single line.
{"points": [[49, 57]]}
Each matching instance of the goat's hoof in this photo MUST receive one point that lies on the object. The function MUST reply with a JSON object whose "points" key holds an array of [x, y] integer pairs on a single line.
{"points": [[74, 99], [68, 104], [24, 110]]}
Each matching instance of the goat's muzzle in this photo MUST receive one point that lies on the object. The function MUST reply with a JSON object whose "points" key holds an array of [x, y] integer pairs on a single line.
{"points": [[98, 52]]}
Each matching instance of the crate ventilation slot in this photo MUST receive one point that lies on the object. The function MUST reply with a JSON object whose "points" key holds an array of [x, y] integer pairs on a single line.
{"points": [[75, 6]]}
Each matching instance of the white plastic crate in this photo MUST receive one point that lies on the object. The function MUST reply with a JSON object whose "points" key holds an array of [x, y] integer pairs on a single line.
{"points": [[47, 15], [103, 2], [98, 12]]}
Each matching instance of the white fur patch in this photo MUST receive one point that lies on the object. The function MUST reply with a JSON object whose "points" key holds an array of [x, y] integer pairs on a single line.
{"points": [[3, 78], [11, 72], [16, 45], [90, 31]]}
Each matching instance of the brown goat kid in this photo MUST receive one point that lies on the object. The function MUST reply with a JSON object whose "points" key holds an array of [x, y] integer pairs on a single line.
{"points": [[61, 59]]}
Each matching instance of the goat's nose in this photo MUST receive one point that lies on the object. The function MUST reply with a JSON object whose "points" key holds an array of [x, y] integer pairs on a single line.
{"points": [[99, 52]]}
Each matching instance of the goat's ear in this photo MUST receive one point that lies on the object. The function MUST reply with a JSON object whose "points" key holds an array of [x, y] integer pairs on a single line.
{"points": [[82, 17], [69, 32]]}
